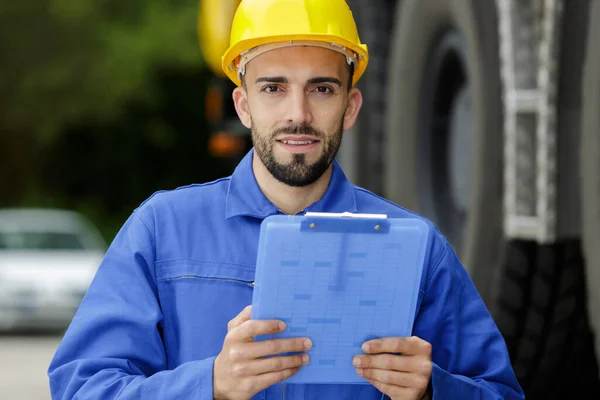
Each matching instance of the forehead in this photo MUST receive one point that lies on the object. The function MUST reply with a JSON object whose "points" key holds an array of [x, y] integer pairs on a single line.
{"points": [[298, 61]]}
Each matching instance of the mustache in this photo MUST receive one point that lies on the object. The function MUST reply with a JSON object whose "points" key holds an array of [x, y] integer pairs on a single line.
{"points": [[303, 129]]}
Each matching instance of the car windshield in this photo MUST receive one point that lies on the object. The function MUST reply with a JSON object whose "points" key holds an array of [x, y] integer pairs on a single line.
{"points": [[40, 241]]}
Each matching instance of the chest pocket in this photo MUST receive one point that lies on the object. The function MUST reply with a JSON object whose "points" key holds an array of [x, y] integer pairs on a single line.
{"points": [[198, 299]]}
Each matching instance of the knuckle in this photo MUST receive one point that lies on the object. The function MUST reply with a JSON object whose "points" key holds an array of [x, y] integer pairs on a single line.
{"points": [[427, 348], [273, 327], [277, 364], [235, 354], [389, 362], [298, 344], [398, 346], [294, 361], [374, 345], [386, 376], [284, 374], [426, 367], [274, 346], [252, 328], [227, 339], [269, 327], [384, 387]]}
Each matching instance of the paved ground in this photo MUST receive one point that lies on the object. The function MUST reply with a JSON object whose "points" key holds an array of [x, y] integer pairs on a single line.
{"points": [[23, 364]]}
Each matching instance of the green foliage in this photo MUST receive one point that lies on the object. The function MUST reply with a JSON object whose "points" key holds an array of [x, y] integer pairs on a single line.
{"points": [[76, 59], [101, 105]]}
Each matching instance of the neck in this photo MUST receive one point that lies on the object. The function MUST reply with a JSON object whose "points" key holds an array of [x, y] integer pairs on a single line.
{"points": [[288, 199]]}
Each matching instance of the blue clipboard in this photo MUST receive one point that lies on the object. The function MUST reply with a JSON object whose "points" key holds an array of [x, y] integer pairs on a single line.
{"points": [[339, 279]]}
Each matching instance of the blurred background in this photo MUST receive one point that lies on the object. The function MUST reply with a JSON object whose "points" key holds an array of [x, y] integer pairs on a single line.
{"points": [[484, 116]]}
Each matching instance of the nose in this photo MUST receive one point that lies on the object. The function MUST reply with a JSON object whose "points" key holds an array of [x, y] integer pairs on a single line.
{"points": [[298, 108]]}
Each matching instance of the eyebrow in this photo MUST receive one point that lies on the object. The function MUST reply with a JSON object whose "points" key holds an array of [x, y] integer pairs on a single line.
{"points": [[312, 81], [325, 79], [272, 79]]}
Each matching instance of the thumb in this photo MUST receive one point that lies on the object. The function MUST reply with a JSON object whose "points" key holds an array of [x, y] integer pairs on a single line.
{"points": [[240, 318]]}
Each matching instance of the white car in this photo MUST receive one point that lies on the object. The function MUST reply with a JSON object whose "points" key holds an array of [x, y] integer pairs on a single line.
{"points": [[48, 259]]}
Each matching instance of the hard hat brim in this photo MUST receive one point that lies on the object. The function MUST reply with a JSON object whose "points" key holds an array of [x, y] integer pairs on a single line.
{"points": [[231, 57]]}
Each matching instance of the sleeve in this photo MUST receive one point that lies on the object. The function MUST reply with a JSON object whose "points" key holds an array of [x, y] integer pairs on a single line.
{"points": [[113, 348], [469, 354]]}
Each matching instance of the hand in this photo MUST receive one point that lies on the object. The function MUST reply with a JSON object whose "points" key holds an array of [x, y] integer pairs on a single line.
{"points": [[240, 371], [403, 376]]}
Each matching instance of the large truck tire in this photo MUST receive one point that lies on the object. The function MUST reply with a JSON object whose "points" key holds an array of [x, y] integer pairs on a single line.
{"points": [[542, 315], [444, 125], [374, 19], [590, 167], [445, 161]]}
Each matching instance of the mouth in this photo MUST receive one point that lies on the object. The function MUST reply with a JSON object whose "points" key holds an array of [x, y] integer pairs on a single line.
{"points": [[298, 145], [298, 142]]}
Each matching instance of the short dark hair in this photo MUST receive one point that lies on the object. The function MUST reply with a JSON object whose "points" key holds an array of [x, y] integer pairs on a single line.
{"points": [[351, 70]]}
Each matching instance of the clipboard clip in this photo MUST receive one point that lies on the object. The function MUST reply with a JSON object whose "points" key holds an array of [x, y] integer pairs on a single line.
{"points": [[345, 222], [345, 215]]}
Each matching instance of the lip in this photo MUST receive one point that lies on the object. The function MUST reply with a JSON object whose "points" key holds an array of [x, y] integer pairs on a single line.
{"points": [[298, 138], [298, 148]]}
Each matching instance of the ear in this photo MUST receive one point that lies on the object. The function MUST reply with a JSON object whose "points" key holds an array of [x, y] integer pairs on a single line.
{"points": [[355, 101], [240, 100]]}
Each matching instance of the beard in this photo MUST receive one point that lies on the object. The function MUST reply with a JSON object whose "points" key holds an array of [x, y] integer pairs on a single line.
{"points": [[298, 172]]}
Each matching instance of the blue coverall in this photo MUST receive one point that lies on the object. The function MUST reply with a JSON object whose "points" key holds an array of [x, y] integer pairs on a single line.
{"points": [[182, 266]]}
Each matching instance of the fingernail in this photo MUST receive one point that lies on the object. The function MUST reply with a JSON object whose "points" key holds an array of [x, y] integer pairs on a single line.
{"points": [[356, 362], [366, 347], [307, 343], [305, 359], [359, 371], [281, 325]]}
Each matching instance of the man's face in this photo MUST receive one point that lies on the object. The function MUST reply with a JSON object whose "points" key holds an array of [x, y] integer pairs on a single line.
{"points": [[297, 104]]}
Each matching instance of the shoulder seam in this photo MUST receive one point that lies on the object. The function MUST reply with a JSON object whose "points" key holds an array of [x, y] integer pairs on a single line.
{"points": [[368, 192], [190, 186], [443, 252], [137, 214]]}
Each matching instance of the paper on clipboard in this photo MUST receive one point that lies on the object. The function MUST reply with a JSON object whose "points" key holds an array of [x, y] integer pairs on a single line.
{"points": [[340, 279]]}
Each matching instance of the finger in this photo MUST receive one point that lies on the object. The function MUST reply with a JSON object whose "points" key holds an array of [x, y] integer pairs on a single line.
{"points": [[394, 391], [278, 346], [247, 330], [273, 364], [405, 345], [417, 364], [269, 379], [240, 318], [384, 361], [395, 378]]}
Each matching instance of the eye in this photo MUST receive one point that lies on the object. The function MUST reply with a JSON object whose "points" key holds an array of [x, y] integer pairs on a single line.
{"points": [[270, 89], [324, 90]]}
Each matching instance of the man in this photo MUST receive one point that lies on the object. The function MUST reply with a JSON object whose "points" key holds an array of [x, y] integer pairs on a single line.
{"points": [[167, 315]]}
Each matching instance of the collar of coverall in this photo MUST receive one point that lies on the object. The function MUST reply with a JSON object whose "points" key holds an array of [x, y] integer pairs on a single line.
{"points": [[251, 54], [245, 198]]}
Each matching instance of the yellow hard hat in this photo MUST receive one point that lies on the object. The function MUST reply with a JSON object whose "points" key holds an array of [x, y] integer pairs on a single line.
{"points": [[214, 20], [263, 25]]}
